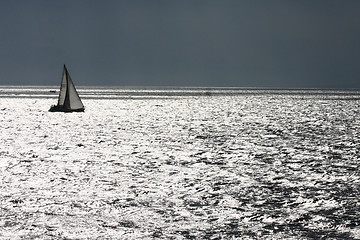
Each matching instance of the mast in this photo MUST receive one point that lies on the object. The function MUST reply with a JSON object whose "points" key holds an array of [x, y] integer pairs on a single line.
{"points": [[67, 96]]}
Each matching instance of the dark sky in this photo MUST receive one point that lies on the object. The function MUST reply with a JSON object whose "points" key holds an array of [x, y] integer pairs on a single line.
{"points": [[242, 43]]}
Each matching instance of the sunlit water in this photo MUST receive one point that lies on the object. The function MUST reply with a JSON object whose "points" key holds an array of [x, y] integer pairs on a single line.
{"points": [[180, 164]]}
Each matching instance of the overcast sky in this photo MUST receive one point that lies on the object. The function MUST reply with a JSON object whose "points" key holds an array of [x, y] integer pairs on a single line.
{"points": [[242, 43]]}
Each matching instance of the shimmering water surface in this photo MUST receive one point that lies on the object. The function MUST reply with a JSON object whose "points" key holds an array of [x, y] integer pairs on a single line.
{"points": [[185, 163]]}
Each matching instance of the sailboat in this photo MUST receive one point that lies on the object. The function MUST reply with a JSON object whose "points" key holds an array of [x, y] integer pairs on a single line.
{"points": [[69, 100]]}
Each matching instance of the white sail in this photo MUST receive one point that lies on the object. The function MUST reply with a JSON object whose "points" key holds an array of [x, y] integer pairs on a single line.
{"points": [[74, 101]]}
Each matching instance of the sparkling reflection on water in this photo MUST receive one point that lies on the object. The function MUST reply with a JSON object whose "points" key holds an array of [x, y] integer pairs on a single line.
{"points": [[181, 164]]}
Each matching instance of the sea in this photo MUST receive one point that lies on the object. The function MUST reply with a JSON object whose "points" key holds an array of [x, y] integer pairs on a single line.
{"points": [[180, 163]]}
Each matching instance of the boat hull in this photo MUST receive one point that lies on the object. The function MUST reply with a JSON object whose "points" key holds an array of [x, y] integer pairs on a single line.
{"points": [[56, 108]]}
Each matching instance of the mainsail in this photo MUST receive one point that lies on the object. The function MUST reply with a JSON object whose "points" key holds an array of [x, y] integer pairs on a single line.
{"points": [[69, 100]]}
